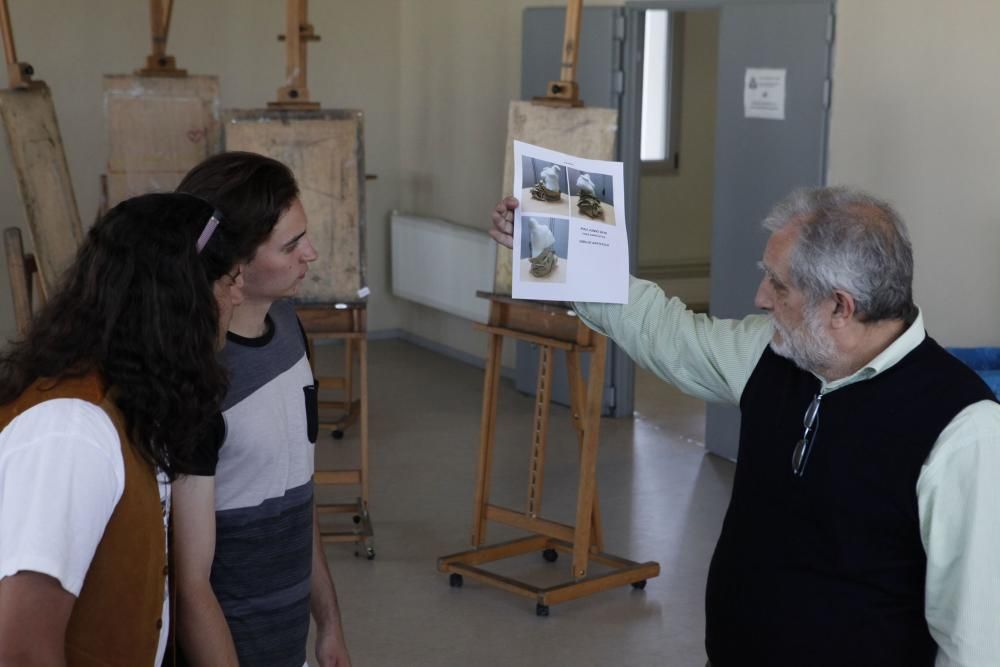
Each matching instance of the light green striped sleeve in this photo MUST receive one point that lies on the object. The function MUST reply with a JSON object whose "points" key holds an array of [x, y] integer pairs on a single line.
{"points": [[703, 356]]}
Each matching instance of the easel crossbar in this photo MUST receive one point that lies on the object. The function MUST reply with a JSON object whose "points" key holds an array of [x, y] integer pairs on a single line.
{"points": [[532, 338], [623, 572], [525, 522], [362, 530]]}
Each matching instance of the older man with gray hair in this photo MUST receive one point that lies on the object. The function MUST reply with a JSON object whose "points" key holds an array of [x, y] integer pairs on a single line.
{"points": [[862, 527]]}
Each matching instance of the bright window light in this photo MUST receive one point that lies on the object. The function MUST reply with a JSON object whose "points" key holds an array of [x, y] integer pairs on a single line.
{"points": [[655, 87]]}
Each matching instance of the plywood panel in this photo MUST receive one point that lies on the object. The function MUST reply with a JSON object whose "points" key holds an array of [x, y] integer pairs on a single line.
{"points": [[325, 150], [124, 185], [586, 132], [43, 180], [158, 128]]}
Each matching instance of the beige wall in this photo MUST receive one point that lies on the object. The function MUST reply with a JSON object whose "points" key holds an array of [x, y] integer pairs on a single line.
{"points": [[461, 66], [675, 207], [356, 65], [916, 119]]}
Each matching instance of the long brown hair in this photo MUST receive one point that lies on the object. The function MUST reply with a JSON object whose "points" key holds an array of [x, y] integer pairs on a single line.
{"points": [[137, 306]]}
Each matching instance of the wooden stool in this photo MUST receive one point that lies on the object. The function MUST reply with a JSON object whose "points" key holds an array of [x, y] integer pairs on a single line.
{"points": [[347, 322], [550, 327]]}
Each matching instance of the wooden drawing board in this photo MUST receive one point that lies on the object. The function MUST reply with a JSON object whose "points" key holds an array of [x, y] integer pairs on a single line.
{"points": [[43, 180], [158, 129], [325, 150], [588, 132]]}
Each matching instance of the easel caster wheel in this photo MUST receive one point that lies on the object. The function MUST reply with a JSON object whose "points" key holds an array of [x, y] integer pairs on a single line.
{"points": [[356, 519], [337, 434], [639, 585], [455, 580], [541, 609], [371, 553], [550, 555]]}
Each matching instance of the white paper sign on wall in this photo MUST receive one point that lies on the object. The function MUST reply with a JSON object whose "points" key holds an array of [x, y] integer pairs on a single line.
{"points": [[764, 93]]}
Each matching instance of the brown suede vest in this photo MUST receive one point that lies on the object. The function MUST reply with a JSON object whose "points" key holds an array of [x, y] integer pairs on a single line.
{"points": [[116, 620]]}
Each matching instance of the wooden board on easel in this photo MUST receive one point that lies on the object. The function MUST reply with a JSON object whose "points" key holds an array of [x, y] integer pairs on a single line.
{"points": [[158, 129], [325, 150], [161, 121], [558, 122], [43, 179], [588, 132]]}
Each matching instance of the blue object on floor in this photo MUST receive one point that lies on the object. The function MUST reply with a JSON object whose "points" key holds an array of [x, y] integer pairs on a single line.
{"points": [[983, 360]]}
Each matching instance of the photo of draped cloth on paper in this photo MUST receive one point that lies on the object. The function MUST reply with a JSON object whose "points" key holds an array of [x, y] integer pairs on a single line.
{"points": [[544, 188], [544, 249], [591, 196]]}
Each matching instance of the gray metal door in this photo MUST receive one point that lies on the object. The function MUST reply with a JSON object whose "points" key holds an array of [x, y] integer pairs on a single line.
{"points": [[599, 74], [758, 161]]}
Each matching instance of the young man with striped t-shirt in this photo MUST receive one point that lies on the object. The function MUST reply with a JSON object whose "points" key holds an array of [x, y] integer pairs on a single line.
{"points": [[250, 564]]}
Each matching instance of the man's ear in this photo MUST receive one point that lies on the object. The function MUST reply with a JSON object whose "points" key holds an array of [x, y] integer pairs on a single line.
{"points": [[843, 309]]}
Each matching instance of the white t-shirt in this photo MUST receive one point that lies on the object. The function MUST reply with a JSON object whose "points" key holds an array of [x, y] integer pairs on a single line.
{"points": [[61, 476]]}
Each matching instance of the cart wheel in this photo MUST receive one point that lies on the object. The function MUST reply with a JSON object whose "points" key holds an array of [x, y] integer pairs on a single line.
{"points": [[541, 609], [455, 580], [356, 518], [337, 434], [550, 555], [639, 585], [371, 553]]}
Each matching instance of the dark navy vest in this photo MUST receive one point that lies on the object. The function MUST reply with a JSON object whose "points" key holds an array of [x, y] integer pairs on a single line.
{"points": [[828, 568]]}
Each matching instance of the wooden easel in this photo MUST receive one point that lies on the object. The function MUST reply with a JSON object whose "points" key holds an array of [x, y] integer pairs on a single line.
{"points": [[316, 140], [43, 182], [23, 275], [161, 121], [346, 322], [21, 267], [299, 32], [566, 92], [550, 327], [18, 74], [158, 63]]}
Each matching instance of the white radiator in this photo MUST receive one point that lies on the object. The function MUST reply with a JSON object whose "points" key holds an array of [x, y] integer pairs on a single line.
{"points": [[442, 265]]}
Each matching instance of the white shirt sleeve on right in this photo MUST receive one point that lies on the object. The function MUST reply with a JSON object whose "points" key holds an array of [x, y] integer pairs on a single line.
{"points": [[61, 476], [958, 496]]}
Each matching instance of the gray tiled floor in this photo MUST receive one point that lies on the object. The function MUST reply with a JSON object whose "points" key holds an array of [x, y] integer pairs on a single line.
{"points": [[662, 498]]}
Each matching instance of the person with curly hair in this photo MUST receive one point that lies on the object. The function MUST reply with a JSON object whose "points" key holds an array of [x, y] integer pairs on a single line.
{"points": [[103, 404], [250, 562]]}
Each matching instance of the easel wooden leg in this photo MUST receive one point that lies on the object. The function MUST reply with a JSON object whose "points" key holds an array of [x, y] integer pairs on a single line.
{"points": [[588, 459], [536, 470], [487, 429], [350, 327], [363, 360], [22, 273], [349, 371], [578, 406]]}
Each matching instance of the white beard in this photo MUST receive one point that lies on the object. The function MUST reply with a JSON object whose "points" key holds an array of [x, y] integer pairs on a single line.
{"points": [[808, 346]]}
